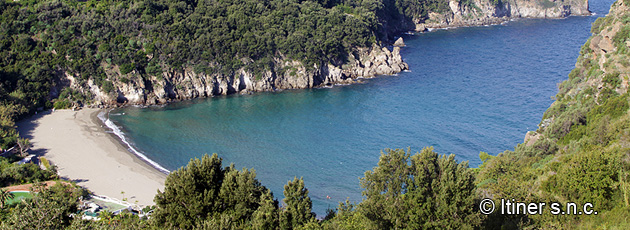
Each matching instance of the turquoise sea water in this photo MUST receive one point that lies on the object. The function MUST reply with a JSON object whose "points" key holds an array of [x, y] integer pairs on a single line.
{"points": [[469, 90]]}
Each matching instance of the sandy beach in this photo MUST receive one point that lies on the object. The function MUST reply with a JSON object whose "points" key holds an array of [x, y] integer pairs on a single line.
{"points": [[77, 142]]}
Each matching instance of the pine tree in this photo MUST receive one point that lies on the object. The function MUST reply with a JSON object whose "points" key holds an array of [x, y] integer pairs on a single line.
{"points": [[190, 193], [297, 211], [422, 191], [204, 195]]}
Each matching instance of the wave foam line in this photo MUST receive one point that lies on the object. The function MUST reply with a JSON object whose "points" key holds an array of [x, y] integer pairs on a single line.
{"points": [[119, 133]]}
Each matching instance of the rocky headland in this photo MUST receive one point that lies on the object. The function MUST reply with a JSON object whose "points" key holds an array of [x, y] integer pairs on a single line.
{"points": [[489, 12]]}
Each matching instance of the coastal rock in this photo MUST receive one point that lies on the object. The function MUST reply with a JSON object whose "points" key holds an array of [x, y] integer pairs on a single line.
{"points": [[184, 84], [531, 137], [486, 12], [399, 42]]}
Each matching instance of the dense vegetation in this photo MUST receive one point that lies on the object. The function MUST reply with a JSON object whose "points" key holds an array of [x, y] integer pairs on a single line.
{"points": [[14, 174], [403, 191], [581, 154]]}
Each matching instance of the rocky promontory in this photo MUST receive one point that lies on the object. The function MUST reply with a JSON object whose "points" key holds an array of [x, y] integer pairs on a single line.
{"points": [[488, 12]]}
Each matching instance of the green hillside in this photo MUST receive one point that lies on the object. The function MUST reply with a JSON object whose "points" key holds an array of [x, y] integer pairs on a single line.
{"points": [[581, 151]]}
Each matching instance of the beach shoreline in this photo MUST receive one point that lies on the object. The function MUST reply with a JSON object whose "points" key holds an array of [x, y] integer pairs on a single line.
{"points": [[87, 153]]}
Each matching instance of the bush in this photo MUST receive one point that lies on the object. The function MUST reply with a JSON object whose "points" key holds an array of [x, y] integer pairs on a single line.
{"points": [[203, 194], [614, 106], [127, 68], [589, 176], [50, 208], [612, 79], [62, 104], [107, 86], [12, 174]]}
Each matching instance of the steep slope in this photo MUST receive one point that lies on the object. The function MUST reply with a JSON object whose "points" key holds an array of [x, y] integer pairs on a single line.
{"points": [[581, 151]]}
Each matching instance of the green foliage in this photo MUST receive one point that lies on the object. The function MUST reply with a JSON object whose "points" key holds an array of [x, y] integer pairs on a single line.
{"points": [[12, 174], [48, 209], [589, 176], [127, 68], [124, 220], [621, 37], [45, 162], [484, 156], [107, 86], [62, 104], [297, 211], [612, 79], [5, 196], [582, 154], [206, 195], [613, 106], [542, 147], [564, 121], [42, 40], [419, 192], [8, 134], [546, 4]]}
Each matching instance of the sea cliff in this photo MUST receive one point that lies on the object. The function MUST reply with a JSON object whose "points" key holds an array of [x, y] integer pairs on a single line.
{"points": [[184, 84], [488, 12]]}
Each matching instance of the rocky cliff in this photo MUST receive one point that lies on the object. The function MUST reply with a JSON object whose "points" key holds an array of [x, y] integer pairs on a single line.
{"points": [[182, 84], [485, 12]]}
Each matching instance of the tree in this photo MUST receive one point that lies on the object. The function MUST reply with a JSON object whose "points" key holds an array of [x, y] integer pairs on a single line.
{"points": [[24, 145], [297, 211], [50, 208], [190, 193], [422, 191], [5, 196], [266, 216], [205, 195]]}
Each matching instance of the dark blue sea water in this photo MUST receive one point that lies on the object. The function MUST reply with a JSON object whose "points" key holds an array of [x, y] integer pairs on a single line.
{"points": [[469, 90]]}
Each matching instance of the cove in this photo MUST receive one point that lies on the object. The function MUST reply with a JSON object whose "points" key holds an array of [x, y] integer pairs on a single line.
{"points": [[469, 90]]}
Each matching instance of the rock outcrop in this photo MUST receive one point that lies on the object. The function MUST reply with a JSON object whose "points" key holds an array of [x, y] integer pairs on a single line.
{"points": [[399, 42], [487, 12], [184, 84]]}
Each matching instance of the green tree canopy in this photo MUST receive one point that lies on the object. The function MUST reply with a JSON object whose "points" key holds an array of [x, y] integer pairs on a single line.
{"points": [[422, 191], [297, 211], [206, 194]]}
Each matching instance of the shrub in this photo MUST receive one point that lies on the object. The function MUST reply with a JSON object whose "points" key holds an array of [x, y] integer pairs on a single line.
{"points": [[127, 68], [107, 86], [612, 79], [62, 104]]}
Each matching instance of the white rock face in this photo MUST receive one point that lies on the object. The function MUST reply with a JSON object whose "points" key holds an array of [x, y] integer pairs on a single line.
{"points": [[485, 12], [288, 74]]}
